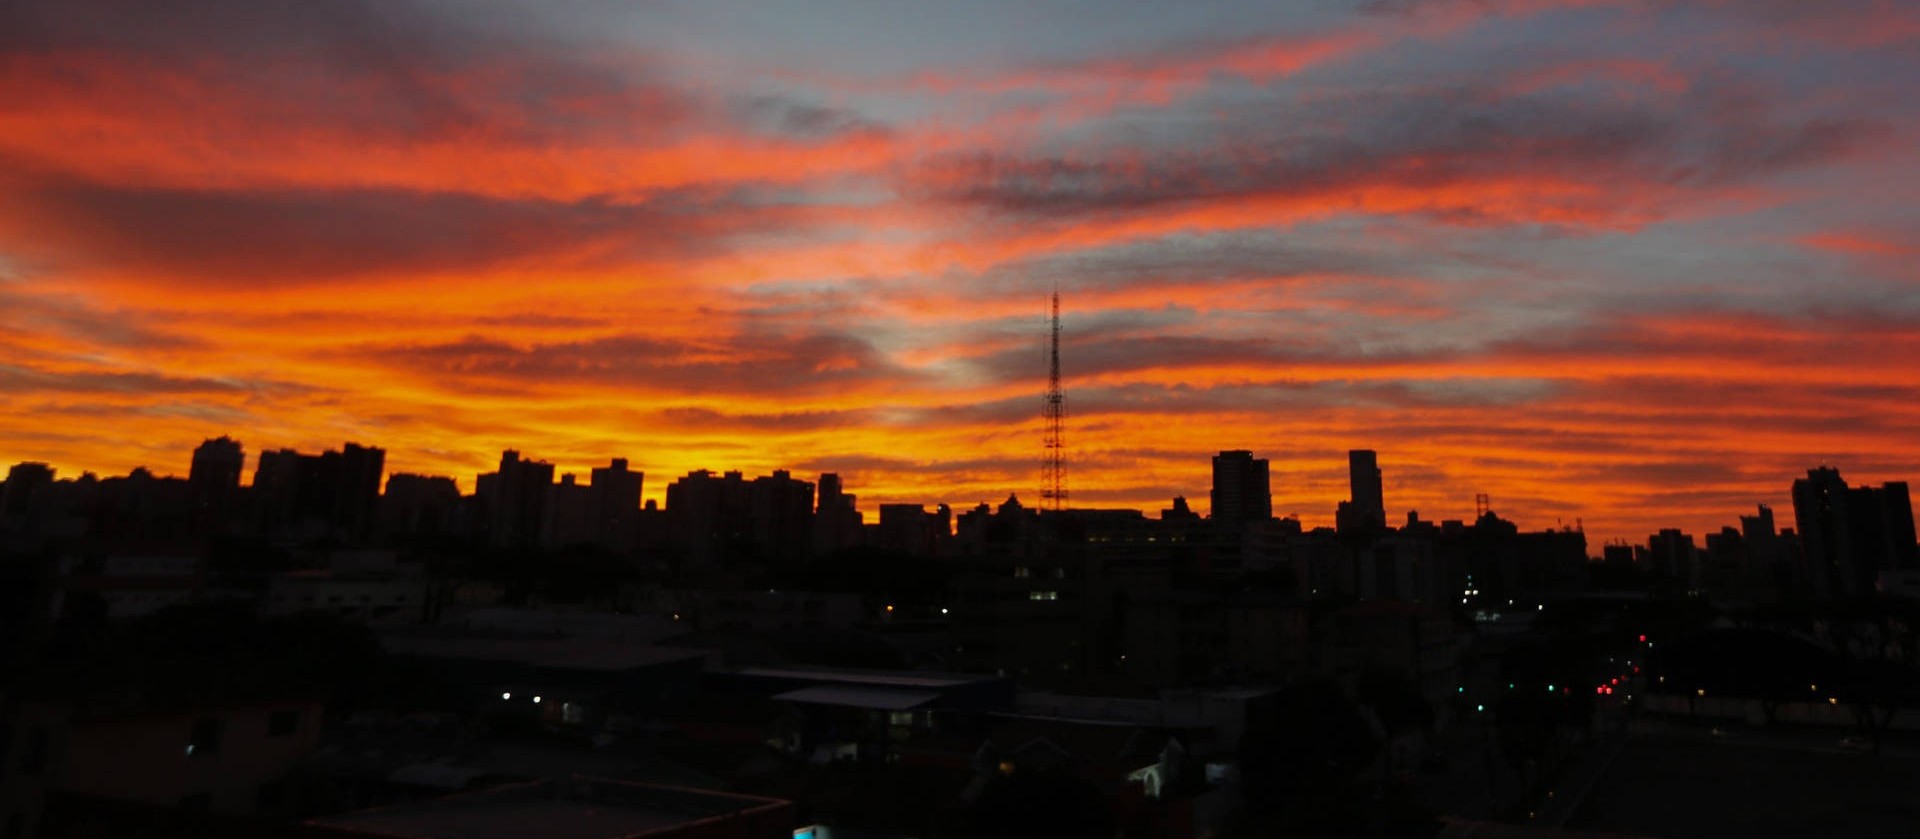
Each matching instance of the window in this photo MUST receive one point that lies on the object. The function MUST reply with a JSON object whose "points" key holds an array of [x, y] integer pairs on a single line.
{"points": [[1021, 571], [204, 740], [283, 723], [1043, 595]]}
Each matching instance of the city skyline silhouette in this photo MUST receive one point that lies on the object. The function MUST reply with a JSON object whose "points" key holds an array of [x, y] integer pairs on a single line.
{"points": [[1617, 279], [838, 419]]}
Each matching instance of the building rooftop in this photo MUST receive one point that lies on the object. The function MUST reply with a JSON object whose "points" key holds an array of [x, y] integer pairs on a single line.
{"points": [[884, 678], [603, 654], [876, 699], [579, 808]]}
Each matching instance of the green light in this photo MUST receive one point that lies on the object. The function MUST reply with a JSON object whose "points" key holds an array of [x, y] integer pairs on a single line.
{"points": [[1509, 686], [1462, 689], [1479, 707], [1549, 688]]}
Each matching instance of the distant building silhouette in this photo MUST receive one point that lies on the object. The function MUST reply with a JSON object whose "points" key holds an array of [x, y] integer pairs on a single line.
{"points": [[213, 481], [1241, 489], [729, 518], [911, 529], [1179, 513], [1673, 557], [420, 506], [514, 501], [355, 484], [333, 493], [707, 515], [1365, 510], [781, 507], [1850, 535], [836, 519], [615, 496], [24, 480]]}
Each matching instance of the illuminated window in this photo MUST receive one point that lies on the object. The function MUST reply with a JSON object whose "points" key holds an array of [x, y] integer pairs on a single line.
{"points": [[1043, 595], [1022, 571]]}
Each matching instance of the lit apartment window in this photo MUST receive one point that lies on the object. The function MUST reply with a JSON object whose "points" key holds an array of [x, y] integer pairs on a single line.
{"points": [[1043, 595], [1022, 571]]}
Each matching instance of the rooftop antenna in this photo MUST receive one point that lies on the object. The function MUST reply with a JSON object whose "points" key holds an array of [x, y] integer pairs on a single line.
{"points": [[1053, 468]]}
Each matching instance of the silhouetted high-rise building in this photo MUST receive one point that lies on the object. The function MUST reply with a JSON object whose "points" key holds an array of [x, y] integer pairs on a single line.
{"points": [[1671, 556], [836, 521], [420, 505], [616, 494], [707, 516], [1851, 534], [214, 480], [782, 510], [1241, 490], [353, 480], [1365, 511], [515, 500], [571, 515], [282, 484], [332, 493]]}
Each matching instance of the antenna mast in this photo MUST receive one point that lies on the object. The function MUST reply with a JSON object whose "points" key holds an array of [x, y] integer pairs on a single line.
{"points": [[1053, 470]]}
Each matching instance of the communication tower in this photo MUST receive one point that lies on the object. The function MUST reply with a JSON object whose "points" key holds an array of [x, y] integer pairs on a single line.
{"points": [[1053, 468]]}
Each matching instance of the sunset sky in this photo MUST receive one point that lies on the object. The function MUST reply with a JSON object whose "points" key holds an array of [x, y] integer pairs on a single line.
{"points": [[1634, 262]]}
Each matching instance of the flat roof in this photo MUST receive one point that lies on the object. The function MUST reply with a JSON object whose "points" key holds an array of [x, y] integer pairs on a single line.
{"points": [[863, 677], [877, 699], [606, 654], [579, 808]]}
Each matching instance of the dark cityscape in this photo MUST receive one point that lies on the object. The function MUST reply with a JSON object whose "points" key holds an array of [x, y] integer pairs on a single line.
{"points": [[1082, 419], [331, 650]]}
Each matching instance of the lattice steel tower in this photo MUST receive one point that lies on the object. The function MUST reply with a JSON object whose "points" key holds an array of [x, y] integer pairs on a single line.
{"points": [[1053, 469]]}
